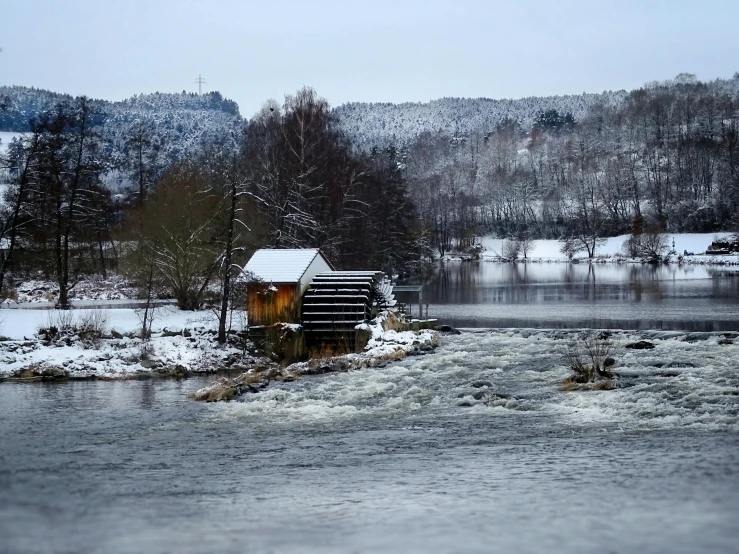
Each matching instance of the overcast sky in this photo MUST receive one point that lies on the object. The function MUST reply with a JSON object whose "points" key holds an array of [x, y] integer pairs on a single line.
{"points": [[380, 50]]}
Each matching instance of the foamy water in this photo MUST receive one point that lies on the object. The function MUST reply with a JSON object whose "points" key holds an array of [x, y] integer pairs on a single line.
{"points": [[470, 449], [686, 381]]}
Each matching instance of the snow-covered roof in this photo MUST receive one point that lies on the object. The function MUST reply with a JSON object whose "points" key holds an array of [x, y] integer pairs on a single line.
{"points": [[281, 265]]}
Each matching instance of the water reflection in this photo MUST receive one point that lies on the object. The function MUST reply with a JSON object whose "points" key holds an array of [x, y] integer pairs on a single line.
{"points": [[688, 293], [148, 395]]}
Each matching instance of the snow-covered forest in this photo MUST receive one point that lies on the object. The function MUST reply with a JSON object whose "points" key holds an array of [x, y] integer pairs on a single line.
{"points": [[178, 188], [663, 157], [182, 226], [179, 123]]}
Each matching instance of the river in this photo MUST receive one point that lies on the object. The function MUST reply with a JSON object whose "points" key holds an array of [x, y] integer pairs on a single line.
{"points": [[601, 296], [469, 449]]}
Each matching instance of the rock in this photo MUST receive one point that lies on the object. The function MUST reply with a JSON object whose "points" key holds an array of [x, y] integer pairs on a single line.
{"points": [[481, 383], [25, 373], [174, 333], [725, 342], [449, 329], [42, 371], [609, 362], [640, 345], [115, 334], [479, 395], [179, 371], [255, 387], [148, 363], [668, 374], [680, 364], [696, 337]]}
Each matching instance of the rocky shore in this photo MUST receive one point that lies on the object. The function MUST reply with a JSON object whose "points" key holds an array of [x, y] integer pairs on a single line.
{"points": [[386, 345], [170, 353]]}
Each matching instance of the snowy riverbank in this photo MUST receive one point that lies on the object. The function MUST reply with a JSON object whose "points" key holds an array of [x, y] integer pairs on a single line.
{"points": [[181, 343], [612, 249]]}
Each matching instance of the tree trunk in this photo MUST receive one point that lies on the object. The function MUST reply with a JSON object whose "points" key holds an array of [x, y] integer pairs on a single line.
{"points": [[226, 293]]}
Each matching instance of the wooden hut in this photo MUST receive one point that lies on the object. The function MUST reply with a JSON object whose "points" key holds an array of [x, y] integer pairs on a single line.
{"points": [[277, 280]]}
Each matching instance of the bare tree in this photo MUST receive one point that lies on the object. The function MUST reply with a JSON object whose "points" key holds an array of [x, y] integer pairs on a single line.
{"points": [[176, 232], [225, 172], [527, 244]]}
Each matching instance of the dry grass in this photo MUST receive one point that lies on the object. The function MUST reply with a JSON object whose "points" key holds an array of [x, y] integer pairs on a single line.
{"points": [[89, 326], [94, 321], [392, 323]]}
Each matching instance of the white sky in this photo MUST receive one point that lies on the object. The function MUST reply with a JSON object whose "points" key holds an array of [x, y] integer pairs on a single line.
{"points": [[379, 50]]}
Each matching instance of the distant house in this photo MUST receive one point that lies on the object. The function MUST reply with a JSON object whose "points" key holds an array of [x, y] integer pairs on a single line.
{"points": [[277, 281]]}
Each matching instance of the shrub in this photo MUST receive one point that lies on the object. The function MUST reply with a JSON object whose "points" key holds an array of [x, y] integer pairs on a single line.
{"points": [[90, 326], [590, 358], [511, 249], [57, 323], [527, 245], [94, 321], [475, 250], [648, 245], [568, 248]]}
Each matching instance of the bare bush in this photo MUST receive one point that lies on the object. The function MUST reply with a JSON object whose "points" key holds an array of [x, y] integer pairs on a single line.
{"points": [[57, 323], [652, 244], [648, 245], [568, 248], [146, 350], [89, 326], [590, 358], [94, 321], [632, 246], [527, 245], [511, 249]]}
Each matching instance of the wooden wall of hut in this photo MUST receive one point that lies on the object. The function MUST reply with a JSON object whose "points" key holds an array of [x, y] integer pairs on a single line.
{"points": [[267, 307]]}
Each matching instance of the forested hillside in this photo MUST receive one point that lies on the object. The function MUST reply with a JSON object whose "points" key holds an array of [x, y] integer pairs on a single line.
{"points": [[178, 124], [666, 157], [369, 124], [382, 124], [177, 188]]}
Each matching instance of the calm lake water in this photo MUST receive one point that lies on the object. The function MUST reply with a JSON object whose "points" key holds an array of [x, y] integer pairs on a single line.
{"points": [[607, 296]]}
